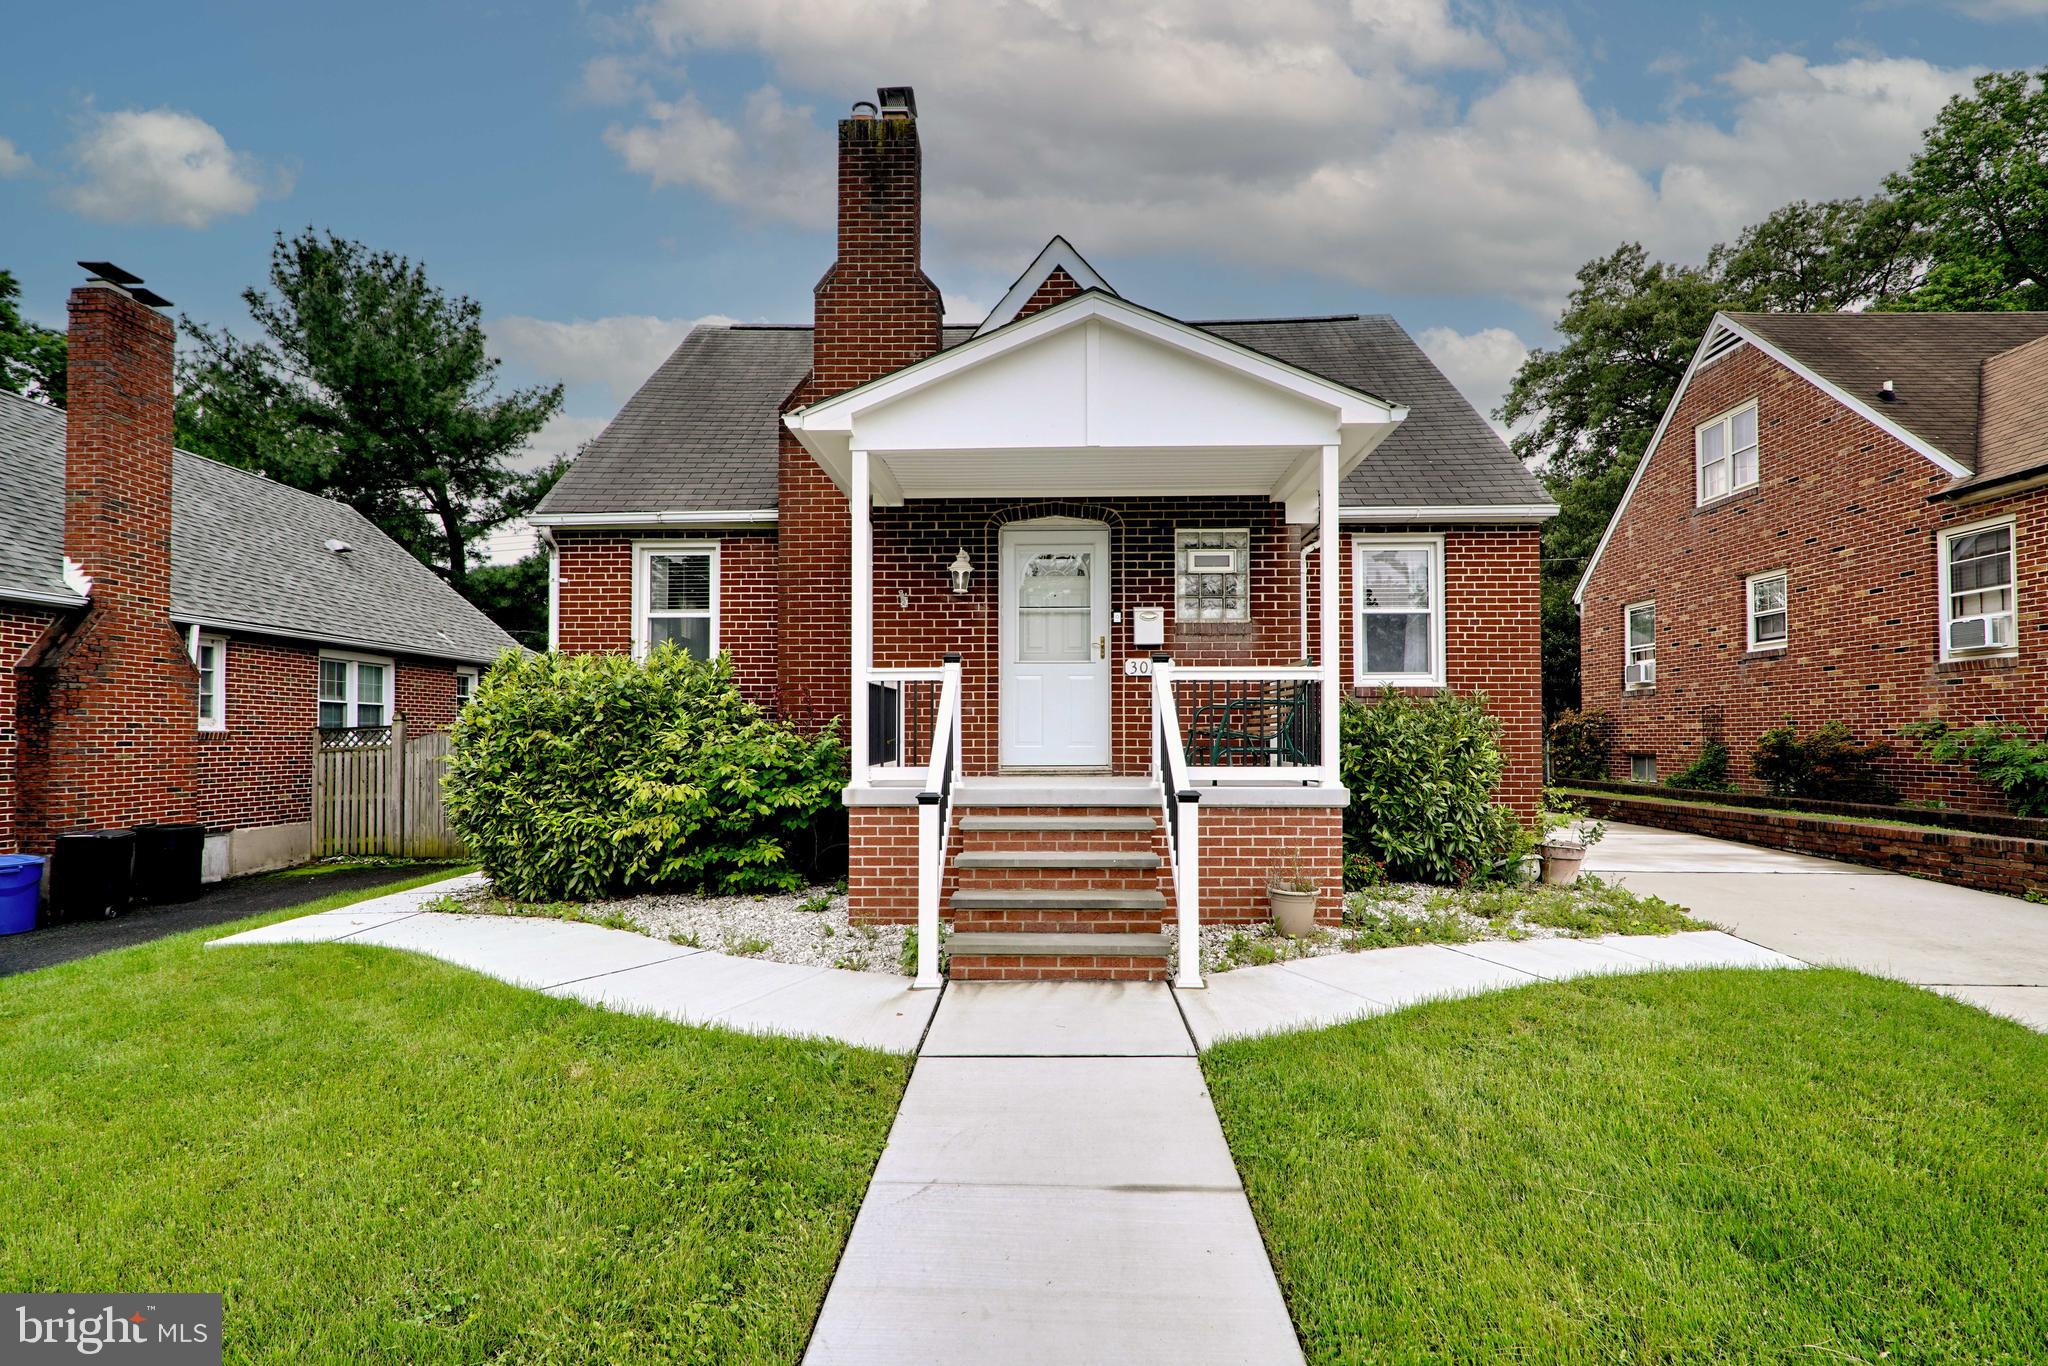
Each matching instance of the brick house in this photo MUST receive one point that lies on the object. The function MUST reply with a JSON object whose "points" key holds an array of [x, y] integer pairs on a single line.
{"points": [[1037, 563], [1841, 517], [173, 629]]}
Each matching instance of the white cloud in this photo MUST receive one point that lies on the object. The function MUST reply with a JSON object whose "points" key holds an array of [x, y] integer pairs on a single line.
{"points": [[1296, 134], [619, 352], [13, 161], [613, 79], [1996, 10], [164, 166], [1480, 364]]}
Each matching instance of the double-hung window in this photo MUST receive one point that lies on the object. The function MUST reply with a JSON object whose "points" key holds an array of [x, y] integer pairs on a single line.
{"points": [[1979, 599], [211, 656], [1397, 589], [675, 597], [465, 687], [1212, 575], [1640, 669], [1770, 615], [355, 690], [1724, 454]]}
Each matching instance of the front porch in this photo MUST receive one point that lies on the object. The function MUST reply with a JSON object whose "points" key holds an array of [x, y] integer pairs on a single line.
{"points": [[1095, 650]]}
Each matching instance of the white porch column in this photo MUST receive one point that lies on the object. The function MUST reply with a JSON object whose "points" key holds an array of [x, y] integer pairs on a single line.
{"points": [[1330, 563], [861, 496]]}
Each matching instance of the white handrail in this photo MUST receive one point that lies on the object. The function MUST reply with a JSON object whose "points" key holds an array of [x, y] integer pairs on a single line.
{"points": [[1217, 673], [1183, 823], [933, 821]]}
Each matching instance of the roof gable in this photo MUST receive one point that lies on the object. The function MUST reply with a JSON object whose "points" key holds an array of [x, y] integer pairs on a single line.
{"points": [[1057, 257]]}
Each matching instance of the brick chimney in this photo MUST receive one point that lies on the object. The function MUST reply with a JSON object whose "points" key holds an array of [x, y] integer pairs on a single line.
{"points": [[109, 725], [875, 311]]}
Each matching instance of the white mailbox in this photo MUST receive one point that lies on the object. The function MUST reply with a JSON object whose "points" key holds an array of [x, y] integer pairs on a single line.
{"points": [[1148, 626]]}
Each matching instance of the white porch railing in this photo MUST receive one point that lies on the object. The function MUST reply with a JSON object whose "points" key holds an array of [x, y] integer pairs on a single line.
{"points": [[1247, 725], [1183, 809], [934, 820]]}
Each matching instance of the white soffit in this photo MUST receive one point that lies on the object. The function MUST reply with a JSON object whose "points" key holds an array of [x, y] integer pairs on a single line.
{"points": [[1058, 254]]}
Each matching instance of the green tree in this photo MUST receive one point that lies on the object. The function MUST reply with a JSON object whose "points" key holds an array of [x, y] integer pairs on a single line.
{"points": [[371, 385], [516, 595], [1978, 190], [32, 357]]}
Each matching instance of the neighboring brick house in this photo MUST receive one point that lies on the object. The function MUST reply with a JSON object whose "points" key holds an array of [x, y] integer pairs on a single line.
{"points": [[1841, 517], [1054, 495], [173, 629]]}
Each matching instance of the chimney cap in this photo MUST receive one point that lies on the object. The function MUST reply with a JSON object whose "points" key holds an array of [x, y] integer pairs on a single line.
{"points": [[111, 273], [897, 99]]}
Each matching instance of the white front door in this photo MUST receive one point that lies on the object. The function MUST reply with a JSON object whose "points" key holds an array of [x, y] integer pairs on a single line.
{"points": [[1054, 708]]}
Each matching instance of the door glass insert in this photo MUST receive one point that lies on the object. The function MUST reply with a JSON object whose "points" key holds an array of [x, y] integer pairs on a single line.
{"points": [[1053, 605]]}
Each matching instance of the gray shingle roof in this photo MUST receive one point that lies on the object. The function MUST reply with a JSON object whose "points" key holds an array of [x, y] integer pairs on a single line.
{"points": [[702, 434], [1936, 361], [245, 553]]}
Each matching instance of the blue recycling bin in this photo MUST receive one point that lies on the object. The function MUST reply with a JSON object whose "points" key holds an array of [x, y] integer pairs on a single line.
{"points": [[21, 884]]}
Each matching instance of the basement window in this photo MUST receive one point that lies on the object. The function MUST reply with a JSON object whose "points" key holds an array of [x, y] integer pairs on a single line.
{"points": [[212, 659], [355, 690], [1213, 580], [675, 597], [1642, 768], [1979, 599], [1724, 453]]}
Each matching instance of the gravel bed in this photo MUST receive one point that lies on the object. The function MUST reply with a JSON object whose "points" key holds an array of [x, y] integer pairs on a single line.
{"points": [[807, 928]]}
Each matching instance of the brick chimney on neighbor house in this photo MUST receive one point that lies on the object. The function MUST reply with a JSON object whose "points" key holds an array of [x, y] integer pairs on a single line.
{"points": [[109, 721], [874, 312]]}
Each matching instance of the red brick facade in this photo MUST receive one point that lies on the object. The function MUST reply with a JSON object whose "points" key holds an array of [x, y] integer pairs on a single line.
{"points": [[1054, 288], [21, 629], [1844, 508]]}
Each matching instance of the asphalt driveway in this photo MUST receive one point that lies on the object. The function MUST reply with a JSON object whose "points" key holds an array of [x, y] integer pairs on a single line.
{"points": [[217, 905], [1979, 947]]}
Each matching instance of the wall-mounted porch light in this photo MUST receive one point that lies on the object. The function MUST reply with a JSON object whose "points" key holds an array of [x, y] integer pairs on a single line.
{"points": [[961, 571]]}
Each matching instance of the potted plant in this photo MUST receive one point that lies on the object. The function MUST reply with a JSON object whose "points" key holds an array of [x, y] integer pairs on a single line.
{"points": [[1566, 836], [1293, 893]]}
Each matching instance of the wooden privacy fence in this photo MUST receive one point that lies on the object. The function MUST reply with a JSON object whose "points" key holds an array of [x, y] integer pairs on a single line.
{"points": [[377, 790]]}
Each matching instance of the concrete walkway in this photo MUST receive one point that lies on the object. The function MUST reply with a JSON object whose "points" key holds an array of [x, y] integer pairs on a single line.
{"points": [[624, 971], [1989, 950], [1056, 1189]]}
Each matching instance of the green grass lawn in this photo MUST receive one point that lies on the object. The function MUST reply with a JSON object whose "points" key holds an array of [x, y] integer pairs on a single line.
{"points": [[1706, 1166], [378, 1157]]}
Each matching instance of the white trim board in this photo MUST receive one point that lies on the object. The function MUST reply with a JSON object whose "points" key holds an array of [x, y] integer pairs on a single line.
{"points": [[1452, 512], [650, 521], [1721, 324]]}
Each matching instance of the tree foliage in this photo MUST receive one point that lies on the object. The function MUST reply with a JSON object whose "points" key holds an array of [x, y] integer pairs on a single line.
{"points": [[371, 385], [32, 357]]}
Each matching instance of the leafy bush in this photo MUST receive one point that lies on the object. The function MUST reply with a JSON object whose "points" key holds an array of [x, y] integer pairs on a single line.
{"points": [[1708, 773], [1830, 766], [582, 776], [1422, 774], [2002, 756], [1581, 745]]}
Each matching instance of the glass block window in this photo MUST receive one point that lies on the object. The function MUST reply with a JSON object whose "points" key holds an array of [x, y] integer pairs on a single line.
{"points": [[1212, 575]]}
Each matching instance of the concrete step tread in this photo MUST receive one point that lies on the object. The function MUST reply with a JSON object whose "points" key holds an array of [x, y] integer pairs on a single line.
{"points": [[1062, 824], [1031, 945], [1056, 899], [1028, 858]]}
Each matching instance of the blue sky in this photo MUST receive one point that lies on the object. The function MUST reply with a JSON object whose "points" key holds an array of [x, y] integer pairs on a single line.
{"points": [[600, 176]]}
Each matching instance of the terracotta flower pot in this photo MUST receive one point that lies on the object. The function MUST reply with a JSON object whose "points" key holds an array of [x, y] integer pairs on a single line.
{"points": [[1294, 913], [1561, 863]]}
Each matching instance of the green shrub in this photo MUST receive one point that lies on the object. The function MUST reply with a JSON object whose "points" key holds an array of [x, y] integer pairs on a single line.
{"points": [[2002, 756], [1422, 775], [1581, 745], [583, 776], [1708, 773], [1830, 766]]}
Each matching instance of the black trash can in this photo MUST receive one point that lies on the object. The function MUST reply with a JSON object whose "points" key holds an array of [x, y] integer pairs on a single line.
{"points": [[92, 876], [167, 861]]}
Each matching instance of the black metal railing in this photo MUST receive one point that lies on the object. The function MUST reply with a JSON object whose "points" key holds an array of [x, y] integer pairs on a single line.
{"points": [[1251, 722], [901, 714]]}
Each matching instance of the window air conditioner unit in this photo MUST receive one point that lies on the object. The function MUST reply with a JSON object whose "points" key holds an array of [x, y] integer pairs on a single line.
{"points": [[1980, 633], [1212, 561], [1642, 675]]}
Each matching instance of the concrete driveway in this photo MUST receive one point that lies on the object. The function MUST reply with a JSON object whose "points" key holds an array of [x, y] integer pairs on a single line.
{"points": [[1976, 946]]}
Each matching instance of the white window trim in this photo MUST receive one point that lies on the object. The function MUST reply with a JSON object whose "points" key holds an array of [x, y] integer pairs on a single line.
{"points": [[1628, 649], [1439, 610], [1749, 610], [1632, 763], [1243, 531], [1699, 467], [354, 699], [473, 674], [643, 551], [219, 719], [1942, 536]]}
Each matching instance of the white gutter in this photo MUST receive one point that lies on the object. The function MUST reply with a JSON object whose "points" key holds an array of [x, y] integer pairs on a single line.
{"points": [[33, 599], [1459, 512], [634, 520], [249, 628]]}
